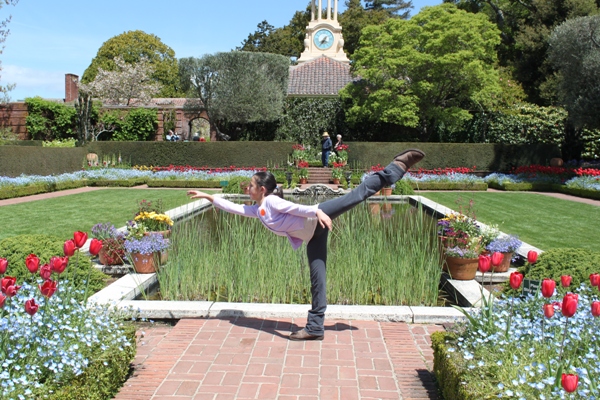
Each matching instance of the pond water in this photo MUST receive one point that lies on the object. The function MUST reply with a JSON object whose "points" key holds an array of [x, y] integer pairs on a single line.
{"points": [[381, 253]]}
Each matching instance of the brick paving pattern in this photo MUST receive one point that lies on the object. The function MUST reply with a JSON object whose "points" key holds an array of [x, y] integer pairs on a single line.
{"points": [[251, 358]]}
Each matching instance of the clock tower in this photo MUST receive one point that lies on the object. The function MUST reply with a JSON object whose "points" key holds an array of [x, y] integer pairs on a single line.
{"points": [[323, 35]]}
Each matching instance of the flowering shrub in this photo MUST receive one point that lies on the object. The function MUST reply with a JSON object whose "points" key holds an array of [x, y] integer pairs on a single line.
{"points": [[48, 336], [299, 152], [504, 244], [531, 346]]}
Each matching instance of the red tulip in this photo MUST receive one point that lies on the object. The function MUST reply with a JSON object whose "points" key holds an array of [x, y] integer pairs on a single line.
{"points": [[484, 263], [569, 382], [45, 272], [3, 265], [497, 258], [548, 286], [532, 256], [58, 264], [30, 307], [595, 279], [79, 238], [548, 310], [2, 300], [516, 278], [596, 308], [569, 304], [48, 288], [95, 246], [9, 286], [32, 262], [565, 280], [69, 248]]}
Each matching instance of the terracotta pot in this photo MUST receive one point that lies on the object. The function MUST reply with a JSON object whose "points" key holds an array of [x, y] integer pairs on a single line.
{"points": [[336, 181], [505, 264], [375, 208], [105, 259], [303, 181], [386, 191], [462, 269], [143, 263]]}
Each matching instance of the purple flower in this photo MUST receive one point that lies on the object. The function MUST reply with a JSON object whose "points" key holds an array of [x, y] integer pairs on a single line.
{"points": [[147, 244], [504, 244]]}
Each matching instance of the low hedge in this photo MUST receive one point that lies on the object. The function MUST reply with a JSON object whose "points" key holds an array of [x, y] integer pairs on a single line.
{"points": [[119, 182], [588, 194], [9, 192], [447, 370], [525, 187], [448, 186], [183, 183], [104, 376]]}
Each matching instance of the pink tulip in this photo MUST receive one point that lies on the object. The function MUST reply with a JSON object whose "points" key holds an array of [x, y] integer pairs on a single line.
{"points": [[565, 280], [30, 307], [532, 256], [3, 265], [548, 286], [497, 258], [516, 278], [569, 382], [69, 248], [32, 262], [45, 272], [9, 286], [484, 263], [548, 310], [596, 308], [79, 238], [569, 304], [58, 264]]}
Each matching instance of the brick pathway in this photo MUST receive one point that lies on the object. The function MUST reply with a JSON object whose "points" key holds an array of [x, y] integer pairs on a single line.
{"points": [[250, 358]]}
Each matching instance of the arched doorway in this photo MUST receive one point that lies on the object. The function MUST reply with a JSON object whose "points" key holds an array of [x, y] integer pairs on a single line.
{"points": [[201, 126]]}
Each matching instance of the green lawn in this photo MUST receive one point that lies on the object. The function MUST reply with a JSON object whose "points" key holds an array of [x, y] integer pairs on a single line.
{"points": [[542, 221], [61, 216]]}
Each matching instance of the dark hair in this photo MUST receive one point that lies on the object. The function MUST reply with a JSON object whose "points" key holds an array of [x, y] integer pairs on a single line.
{"points": [[267, 180]]}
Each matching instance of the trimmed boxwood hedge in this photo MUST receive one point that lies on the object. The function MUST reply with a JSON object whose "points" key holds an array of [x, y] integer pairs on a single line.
{"points": [[104, 376], [183, 183], [448, 186], [589, 194], [118, 182], [447, 370]]}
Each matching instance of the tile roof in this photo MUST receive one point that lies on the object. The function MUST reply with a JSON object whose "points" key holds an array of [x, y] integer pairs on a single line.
{"points": [[322, 76]]}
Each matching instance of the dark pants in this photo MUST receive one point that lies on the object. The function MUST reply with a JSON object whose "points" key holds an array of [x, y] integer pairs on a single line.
{"points": [[325, 157], [316, 249]]}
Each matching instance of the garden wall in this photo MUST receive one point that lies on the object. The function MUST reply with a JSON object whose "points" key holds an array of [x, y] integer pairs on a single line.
{"points": [[16, 160]]}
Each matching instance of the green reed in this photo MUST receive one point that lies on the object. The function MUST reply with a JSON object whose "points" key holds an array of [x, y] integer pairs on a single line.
{"points": [[377, 255]]}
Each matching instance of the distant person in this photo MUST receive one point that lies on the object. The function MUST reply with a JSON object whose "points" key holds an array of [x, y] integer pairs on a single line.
{"points": [[175, 137], [169, 136], [326, 147], [196, 137], [337, 144]]}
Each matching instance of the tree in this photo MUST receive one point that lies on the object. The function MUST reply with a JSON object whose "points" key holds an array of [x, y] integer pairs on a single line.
{"points": [[393, 7], [429, 70], [237, 87], [354, 19], [574, 50], [3, 34], [125, 83], [133, 46]]}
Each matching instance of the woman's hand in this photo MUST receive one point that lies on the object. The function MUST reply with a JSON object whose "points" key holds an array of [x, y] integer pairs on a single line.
{"points": [[194, 194], [324, 219]]}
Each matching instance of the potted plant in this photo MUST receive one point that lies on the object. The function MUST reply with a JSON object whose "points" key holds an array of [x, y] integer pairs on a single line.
{"points": [[299, 153], [461, 241], [152, 218], [145, 251], [303, 171], [507, 245], [112, 251], [337, 173], [342, 154], [462, 262]]}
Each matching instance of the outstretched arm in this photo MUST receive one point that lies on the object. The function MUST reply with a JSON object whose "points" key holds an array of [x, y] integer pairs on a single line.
{"points": [[324, 219], [194, 194]]}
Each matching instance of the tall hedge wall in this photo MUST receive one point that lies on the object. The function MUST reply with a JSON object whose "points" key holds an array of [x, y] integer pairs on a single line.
{"points": [[16, 160]]}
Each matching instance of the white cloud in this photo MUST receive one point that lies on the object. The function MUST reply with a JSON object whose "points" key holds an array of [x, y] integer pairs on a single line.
{"points": [[33, 82]]}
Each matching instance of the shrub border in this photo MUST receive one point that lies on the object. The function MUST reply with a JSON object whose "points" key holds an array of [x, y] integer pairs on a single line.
{"points": [[447, 371], [184, 183], [448, 186]]}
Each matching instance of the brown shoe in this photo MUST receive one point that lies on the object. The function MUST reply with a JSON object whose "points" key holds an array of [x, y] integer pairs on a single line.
{"points": [[408, 158], [303, 335]]}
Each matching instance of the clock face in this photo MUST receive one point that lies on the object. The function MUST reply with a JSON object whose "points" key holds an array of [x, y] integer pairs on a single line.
{"points": [[323, 39]]}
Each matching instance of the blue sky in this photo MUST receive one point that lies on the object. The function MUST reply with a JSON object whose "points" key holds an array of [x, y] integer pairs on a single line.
{"points": [[51, 38]]}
